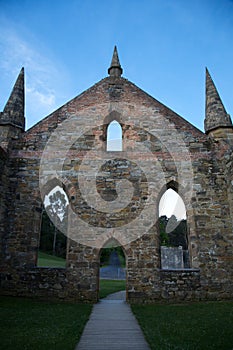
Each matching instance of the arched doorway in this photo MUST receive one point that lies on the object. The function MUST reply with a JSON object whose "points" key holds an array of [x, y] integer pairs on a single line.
{"points": [[112, 271]]}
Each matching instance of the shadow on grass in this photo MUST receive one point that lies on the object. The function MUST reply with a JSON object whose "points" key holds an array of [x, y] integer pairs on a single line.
{"points": [[199, 326], [110, 286], [34, 325], [46, 260]]}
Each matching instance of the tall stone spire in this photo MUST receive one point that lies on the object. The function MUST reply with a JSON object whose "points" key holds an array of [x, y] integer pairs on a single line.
{"points": [[13, 112], [115, 69], [215, 113]]}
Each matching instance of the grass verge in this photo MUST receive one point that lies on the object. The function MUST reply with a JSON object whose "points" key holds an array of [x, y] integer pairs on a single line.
{"points": [[199, 326], [46, 260], [110, 286], [33, 325]]}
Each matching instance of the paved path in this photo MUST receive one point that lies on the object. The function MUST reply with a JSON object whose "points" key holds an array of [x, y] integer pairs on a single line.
{"points": [[112, 326]]}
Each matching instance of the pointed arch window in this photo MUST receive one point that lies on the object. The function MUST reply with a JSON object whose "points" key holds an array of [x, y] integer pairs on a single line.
{"points": [[173, 231], [114, 136], [53, 240]]}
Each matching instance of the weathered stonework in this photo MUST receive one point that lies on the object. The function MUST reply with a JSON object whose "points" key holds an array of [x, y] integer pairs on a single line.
{"points": [[146, 122]]}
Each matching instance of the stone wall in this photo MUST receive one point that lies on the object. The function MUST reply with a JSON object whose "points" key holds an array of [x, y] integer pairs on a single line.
{"points": [[3, 188], [160, 150]]}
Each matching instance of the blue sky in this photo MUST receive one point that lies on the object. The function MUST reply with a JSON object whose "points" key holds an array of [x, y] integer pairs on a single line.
{"points": [[164, 46]]}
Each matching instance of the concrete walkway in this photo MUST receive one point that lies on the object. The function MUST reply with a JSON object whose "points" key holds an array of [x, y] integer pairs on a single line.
{"points": [[112, 326]]}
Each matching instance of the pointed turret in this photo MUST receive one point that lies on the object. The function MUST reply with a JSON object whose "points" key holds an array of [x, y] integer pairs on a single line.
{"points": [[115, 69], [13, 112], [215, 114]]}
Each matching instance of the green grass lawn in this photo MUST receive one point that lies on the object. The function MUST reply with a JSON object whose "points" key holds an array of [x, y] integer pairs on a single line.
{"points": [[199, 326], [27, 324], [46, 260], [32, 325], [110, 286]]}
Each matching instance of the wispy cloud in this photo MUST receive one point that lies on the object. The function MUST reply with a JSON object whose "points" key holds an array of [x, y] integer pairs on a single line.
{"points": [[43, 75]]}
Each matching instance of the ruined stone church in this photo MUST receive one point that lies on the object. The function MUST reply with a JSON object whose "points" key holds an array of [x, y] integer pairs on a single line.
{"points": [[114, 195]]}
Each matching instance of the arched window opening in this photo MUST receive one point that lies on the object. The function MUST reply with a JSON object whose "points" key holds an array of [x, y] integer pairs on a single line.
{"points": [[114, 136], [173, 231], [53, 239], [112, 271]]}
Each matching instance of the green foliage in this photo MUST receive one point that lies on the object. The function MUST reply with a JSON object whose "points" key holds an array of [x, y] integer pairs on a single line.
{"points": [[173, 232], [105, 255], [187, 327], [111, 286], [57, 206], [164, 239], [46, 260], [52, 240], [28, 324], [47, 238]]}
